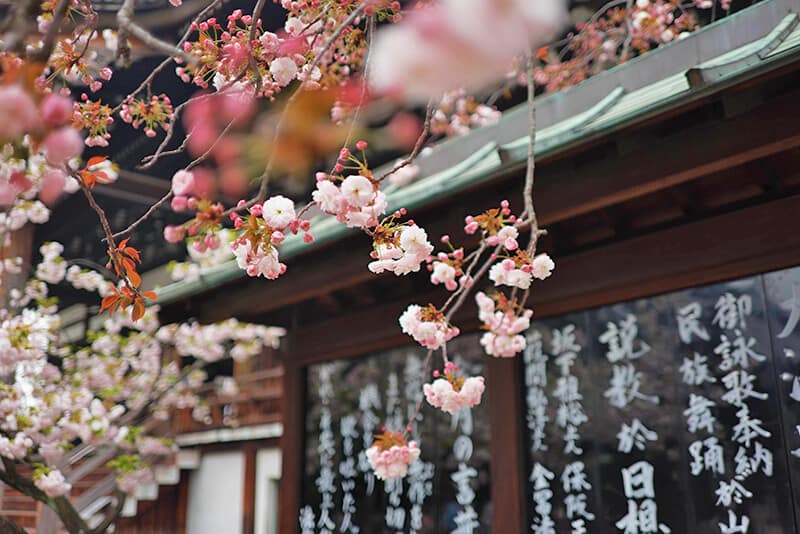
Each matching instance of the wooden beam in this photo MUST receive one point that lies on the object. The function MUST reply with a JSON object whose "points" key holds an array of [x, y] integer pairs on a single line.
{"points": [[678, 158], [733, 245]]}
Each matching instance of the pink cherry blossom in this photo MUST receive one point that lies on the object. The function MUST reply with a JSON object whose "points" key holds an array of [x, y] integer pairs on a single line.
{"points": [[182, 183], [427, 326], [62, 145], [53, 483], [503, 326], [18, 111], [453, 395], [392, 463]]}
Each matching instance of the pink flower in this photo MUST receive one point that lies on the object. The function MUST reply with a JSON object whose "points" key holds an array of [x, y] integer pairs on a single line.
{"points": [[442, 394], [18, 111], [62, 145], [506, 273], [459, 43], [174, 234], [444, 273], [56, 110], [52, 186], [428, 326], [329, 198], [502, 338], [393, 462], [176, 3], [53, 483], [413, 249], [182, 183]]}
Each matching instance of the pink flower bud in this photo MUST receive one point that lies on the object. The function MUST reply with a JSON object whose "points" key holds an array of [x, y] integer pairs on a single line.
{"points": [[174, 234], [56, 110], [361, 145], [179, 203], [277, 238], [62, 145], [182, 183], [308, 237]]}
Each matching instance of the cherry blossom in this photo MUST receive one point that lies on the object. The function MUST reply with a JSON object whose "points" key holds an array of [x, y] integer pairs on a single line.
{"points": [[453, 393], [391, 455], [52, 483], [503, 325], [427, 326]]}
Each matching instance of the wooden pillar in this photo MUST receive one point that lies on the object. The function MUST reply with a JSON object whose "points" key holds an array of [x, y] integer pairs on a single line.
{"points": [[292, 416], [249, 490], [506, 449]]}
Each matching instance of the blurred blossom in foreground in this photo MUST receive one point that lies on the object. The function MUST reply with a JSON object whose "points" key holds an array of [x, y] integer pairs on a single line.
{"points": [[459, 44]]}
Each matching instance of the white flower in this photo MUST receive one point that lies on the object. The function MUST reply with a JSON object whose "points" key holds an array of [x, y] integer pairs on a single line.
{"points": [[53, 483], [328, 197], [278, 212], [543, 266], [283, 70], [358, 190]]}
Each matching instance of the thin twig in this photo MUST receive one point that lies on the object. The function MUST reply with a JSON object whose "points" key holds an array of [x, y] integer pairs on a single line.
{"points": [[152, 209], [125, 20], [426, 130], [161, 66]]}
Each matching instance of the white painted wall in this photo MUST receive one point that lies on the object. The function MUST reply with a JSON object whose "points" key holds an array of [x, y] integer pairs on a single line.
{"points": [[215, 494], [268, 474]]}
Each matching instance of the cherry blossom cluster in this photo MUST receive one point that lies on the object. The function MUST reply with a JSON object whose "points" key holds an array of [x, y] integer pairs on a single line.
{"points": [[37, 142], [354, 199], [613, 37], [390, 455], [504, 325], [260, 233], [100, 393], [447, 268], [458, 113], [94, 116], [427, 325], [75, 63], [149, 114], [399, 247], [451, 392]]}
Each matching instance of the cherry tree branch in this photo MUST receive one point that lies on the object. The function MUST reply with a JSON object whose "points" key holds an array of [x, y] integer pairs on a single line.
{"points": [[125, 20], [150, 211], [426, 131]]}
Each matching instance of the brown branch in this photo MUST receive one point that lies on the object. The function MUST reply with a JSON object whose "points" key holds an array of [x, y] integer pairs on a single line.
{"points": [[9, 527], [69, 516], [152, 209], [426, 131], [161, 66], [259, 7], [125, 20]]}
